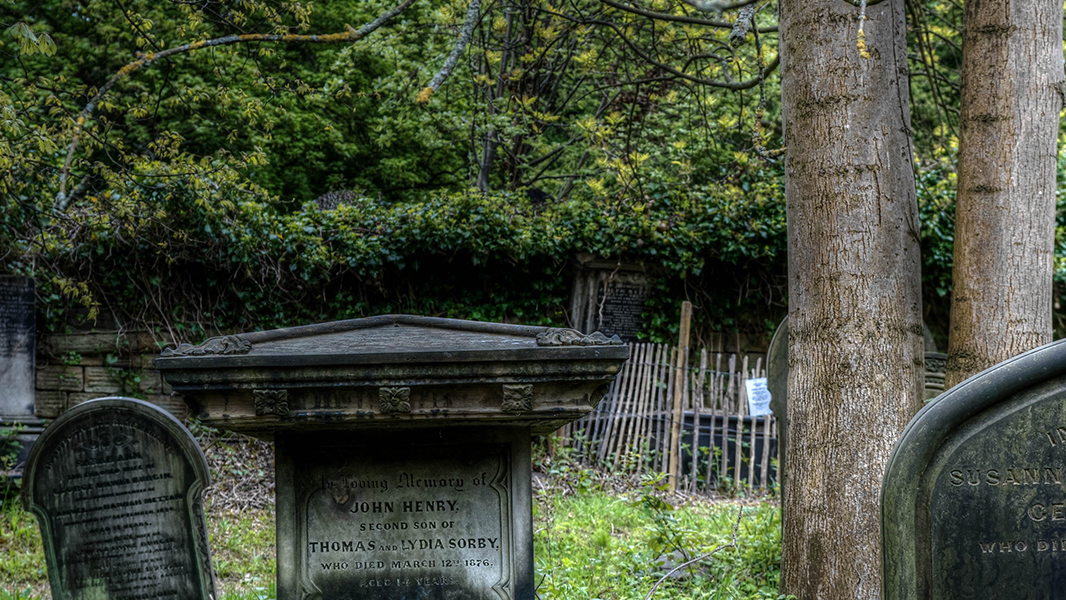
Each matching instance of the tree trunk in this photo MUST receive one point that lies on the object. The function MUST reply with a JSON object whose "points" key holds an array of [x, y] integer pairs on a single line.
{"points": [[1005, 213], [855, 343]]}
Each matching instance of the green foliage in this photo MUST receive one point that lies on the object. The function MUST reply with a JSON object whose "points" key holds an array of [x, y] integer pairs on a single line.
{"points": [[191, 180], [22, 569], [9, 449], [492, 257]]}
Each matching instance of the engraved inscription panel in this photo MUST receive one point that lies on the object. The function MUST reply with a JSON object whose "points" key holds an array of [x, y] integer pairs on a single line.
{"points": [[430, 523], [118, 499], [622, 303], [998, 504]]}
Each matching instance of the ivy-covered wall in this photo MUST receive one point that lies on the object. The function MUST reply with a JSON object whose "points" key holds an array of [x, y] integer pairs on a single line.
{"points": [[198, 268]]}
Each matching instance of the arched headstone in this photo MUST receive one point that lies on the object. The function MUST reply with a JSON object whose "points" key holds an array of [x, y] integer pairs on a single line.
{"points": [[973, 503], [115, 484]]}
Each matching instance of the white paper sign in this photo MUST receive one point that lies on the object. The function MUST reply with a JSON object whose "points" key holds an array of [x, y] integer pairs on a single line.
{"points": [[758, 397]]}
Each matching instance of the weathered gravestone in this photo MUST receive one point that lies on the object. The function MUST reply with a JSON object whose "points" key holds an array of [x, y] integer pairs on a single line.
{"points": [[115, 484], [17, 350], [974, 497], [609, 296], [402, 445]]}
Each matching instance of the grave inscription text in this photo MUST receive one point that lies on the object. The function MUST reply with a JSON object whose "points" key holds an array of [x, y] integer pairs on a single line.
{"points": [[112, 490], [1008, 470], [409, 523]]}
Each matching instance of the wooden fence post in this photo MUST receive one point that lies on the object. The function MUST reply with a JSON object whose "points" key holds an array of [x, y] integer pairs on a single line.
{"points": [[679, 390]]}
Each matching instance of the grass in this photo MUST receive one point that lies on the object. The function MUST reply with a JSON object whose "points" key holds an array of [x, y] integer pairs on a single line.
{"points": [[598, 545], [597, 536], [242, 551]]}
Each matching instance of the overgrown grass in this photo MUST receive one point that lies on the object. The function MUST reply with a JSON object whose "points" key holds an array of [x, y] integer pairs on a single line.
{"points": [[242, 551], [597, 536], [588, 545], [593, 544]]}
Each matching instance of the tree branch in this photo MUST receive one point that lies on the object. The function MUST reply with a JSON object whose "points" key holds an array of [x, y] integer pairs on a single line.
{"points": [[473, 13], [715, 6], [678, 18], [732, 544], [743, 24], [728, 85], [62, 200]]}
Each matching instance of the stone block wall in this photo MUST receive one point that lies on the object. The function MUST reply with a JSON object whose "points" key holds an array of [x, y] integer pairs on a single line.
{"points": [[73, 368]]}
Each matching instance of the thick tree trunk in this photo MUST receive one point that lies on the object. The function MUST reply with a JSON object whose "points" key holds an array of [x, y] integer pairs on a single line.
{"points": [[1005, 214], [855, 343]]}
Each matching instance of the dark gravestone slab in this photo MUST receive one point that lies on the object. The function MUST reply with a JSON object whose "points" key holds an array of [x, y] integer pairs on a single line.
{"points": [[622, 303], [17, 337], [115, 484], [392, 517], [974, 498], [17, 351], [609, 296]]}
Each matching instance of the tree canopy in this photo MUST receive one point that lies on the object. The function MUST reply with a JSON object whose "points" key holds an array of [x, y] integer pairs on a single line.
{"points": [[238, 163]]}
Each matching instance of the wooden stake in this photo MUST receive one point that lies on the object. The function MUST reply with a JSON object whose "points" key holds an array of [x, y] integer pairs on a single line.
{"points": [[679, 389], [625, 413], [646, 395], [727, 397], [697, 406], [604, 428], [742, 410], [663, 407], [716, 390]]}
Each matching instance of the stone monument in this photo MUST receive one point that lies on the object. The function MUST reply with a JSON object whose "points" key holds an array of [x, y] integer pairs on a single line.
{"points": [[17, 351], [974, 503], [402, 444], [115, 484]]}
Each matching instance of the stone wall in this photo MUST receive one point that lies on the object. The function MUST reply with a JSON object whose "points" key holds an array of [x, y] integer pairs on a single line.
{"points": [[73, 368]]}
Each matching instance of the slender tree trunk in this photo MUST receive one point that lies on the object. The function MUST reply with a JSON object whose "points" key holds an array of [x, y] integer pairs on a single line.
{"points": [[855, 343], [492, 137], [1005, 214]]}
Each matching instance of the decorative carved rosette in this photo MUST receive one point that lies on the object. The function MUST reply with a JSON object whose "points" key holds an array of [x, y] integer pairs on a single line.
{"points": [[936, 362], [271, 402], [394, 400], [517, 398]]}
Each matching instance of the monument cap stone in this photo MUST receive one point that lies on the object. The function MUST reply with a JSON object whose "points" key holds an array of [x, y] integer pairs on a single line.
{"points": [[115, 484], [974, 497], [394, 371]]}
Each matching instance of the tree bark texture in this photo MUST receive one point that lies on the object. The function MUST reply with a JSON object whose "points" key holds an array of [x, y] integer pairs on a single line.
{"points": [[855, 330], [1012, 78]]}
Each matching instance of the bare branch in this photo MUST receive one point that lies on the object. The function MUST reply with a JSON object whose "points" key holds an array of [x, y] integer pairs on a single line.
{"points": [[678, 18], [715, 6], [732, 544], [473, 13], [62, 200], [728, 85], [743, 24]]}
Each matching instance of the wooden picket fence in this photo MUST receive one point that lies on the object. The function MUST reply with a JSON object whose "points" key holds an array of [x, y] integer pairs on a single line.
{"points": [[630, 430]]}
